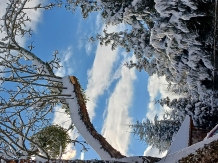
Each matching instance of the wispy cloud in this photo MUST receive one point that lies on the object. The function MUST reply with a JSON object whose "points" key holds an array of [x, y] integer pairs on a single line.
{"points": [[154, 87], [157, 87], [98, 21], [85, 33], [99, 75], [66, 63], [32, 14], [117, 117], [35, 16], [88, 47], [99, 79], [83, 41]]}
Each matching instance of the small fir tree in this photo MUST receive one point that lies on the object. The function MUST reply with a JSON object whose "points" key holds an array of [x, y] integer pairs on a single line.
{"points": [[158, 133]]}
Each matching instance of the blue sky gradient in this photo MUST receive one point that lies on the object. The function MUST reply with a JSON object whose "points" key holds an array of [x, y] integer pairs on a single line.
{"points": [[63, 31]]}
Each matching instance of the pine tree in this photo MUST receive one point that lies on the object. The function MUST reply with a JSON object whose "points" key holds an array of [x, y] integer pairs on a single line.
{"points": [[202, 114], [143, 10], [87, 6], [158, 133], [136, 39], [176, 38]]}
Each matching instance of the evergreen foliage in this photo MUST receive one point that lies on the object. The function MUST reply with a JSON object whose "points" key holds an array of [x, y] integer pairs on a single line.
{"points": [[87, 6], [203, 115], [137, 39], [158, 133], [51, 139]]}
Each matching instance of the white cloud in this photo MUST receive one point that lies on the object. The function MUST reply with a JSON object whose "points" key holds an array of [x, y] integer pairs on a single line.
{"points": [[154, 87], [35, 16], [3, 9], [100, 74], [88, 47], [115, 124], [32, 14], [99, 77], [62, 119], [82, 155], [66, 63], [157, 86], [154, 152], [70, 153], [98, 21]]}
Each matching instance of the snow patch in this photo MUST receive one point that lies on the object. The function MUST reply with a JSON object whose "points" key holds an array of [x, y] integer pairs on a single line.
{"points": [[181, 139]]}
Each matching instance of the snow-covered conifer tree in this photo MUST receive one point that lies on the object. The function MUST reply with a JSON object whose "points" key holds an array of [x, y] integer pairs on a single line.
{"points": [[157, 133], [87, 6]]}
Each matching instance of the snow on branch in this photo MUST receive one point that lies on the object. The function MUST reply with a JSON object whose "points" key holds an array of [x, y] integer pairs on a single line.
{"points": [[205, 150], [81, 120]]}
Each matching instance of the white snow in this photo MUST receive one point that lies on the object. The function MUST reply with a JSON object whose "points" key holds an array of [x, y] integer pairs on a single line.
{"points": [[134, 2], [39, 159], [79, 124], [134, 159], [212, 132], [173, 158], [181, 139]]}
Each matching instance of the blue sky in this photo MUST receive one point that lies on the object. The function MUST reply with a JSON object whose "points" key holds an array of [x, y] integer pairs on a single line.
{"points": [[103, 87], [118, 96]]}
